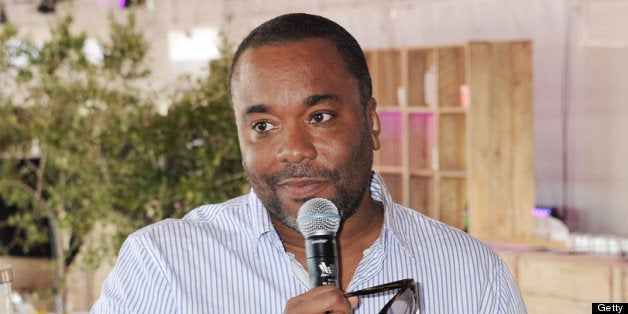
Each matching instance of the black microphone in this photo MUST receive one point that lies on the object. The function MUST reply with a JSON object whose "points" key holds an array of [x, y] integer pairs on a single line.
{"points": [[318, 221]]}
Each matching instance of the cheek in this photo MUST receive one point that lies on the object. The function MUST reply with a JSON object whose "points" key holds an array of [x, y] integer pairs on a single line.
{"points": [[246, 153], [249, 151], [359, 151], [256, 158], [250, 159], [332, 152]]}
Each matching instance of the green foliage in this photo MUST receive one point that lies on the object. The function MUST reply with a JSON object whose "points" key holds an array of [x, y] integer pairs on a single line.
{"points": [[198, 143], [125, 52], [81, 143], [55, 164]]}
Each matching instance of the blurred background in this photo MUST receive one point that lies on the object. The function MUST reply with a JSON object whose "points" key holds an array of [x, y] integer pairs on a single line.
{"points": [[169, 58]]}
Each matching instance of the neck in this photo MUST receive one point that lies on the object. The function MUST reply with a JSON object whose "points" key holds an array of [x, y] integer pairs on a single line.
{"points": [[356, 234]]}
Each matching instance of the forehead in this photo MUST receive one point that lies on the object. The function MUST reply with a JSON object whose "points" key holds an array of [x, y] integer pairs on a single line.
{"points": [[314, 62], [277, 52]]}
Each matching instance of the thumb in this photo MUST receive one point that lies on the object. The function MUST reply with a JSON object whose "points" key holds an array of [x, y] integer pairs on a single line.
{"points": [[353, 301]]}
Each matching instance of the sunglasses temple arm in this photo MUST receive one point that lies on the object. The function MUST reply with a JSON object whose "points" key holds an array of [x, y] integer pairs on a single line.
{"points": [[376, 289], [356, 293]]}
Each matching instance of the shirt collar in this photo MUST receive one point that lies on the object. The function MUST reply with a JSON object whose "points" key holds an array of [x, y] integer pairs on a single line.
{"points": [[262, 224], [260, 218], [392, 221]]}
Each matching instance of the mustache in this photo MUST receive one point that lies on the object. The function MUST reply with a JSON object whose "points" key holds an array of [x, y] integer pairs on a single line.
{"points": [[303, 170]]}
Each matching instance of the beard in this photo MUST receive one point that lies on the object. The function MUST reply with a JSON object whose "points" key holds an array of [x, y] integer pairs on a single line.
{"points": [[346, 200], [349, 181]]}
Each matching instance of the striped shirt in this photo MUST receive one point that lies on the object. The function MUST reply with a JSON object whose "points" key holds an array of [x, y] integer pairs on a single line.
{"points": [[228, 258]]}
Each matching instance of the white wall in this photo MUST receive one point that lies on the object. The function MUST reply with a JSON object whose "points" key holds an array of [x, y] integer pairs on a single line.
{"points": [[580, 73], [597, 119]]}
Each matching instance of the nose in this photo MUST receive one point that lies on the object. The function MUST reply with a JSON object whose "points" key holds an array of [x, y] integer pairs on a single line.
{"points": [[296, 145]]}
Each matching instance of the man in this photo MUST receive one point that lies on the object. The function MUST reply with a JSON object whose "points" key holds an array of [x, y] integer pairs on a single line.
{"points": [[307, 127]]}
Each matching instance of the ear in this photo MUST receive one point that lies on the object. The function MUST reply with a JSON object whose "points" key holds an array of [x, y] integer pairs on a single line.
{"points": [[373, 117]]}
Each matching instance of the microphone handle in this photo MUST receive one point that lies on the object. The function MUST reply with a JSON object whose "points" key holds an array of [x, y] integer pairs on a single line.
{"points": [[322, 260]]}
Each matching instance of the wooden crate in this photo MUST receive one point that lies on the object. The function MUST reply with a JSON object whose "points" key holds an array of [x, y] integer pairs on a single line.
{"points": [[457, 133]]}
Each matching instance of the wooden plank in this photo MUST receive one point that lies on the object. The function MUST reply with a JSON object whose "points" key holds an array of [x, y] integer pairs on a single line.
{"points": [[389, 77], [452, 142], [542, 304], [554, 282], [620, 284], [452, 201], [500, 149], [421, 191], [421, 139], [394, 183], [581, 278], [500, 141], [390, 153], [478, 56], [451, 75], [419, 61], [523, 139]]}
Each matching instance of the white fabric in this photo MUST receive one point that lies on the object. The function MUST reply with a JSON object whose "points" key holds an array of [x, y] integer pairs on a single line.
{"points": [[228, 258]]}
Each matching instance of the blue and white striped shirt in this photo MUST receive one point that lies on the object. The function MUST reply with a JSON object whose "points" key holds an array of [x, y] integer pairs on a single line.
{"points": [[228, 258]]}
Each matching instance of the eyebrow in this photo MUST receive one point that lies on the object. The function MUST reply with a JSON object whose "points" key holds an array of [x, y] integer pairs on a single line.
{"points": [[319, 98], [310, 101], [259, 108]]}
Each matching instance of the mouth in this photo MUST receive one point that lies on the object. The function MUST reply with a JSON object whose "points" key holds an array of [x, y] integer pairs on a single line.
{"points": [[301, 188]]}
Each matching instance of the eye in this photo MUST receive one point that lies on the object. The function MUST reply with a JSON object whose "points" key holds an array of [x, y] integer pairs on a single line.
{"points": [[320, 117], [263, 126]]}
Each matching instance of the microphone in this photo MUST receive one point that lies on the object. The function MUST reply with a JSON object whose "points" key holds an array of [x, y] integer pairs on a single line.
{"points": [[318, 221]]}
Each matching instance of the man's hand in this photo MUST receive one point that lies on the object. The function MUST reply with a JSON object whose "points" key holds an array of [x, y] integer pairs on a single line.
{"points": [[323, 299]]}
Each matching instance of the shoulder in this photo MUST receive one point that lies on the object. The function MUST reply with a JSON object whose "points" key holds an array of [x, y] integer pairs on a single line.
{"points": [[211, 212], [443, 249], [203, 217], [448, 257], [434, 239]]}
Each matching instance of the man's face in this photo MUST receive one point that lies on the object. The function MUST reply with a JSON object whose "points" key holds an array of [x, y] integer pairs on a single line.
{"points": [[302, 128]]}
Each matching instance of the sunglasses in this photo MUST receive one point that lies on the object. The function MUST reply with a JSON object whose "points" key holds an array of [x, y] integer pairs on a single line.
{"points": [[405, 300]]}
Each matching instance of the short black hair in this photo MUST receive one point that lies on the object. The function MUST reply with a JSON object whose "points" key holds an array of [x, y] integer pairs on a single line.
{"points": [[294, 27]]}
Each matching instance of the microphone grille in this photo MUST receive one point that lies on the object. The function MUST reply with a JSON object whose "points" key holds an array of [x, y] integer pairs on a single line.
{"points": [[318, 216]]}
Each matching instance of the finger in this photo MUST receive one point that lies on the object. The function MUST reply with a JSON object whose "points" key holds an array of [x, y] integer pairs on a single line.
{"points": [[354, 300], [319, 300]]}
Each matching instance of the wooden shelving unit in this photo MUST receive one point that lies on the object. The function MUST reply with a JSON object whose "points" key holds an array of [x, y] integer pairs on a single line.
{"points": [[433, 104]]}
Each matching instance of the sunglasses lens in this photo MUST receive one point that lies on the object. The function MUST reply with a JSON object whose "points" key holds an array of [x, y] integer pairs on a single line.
{"points": [[405, 303], [402, 294]]}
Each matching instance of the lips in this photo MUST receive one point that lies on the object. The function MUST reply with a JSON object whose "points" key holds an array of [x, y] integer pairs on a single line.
{"points": [[301, 188]]}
